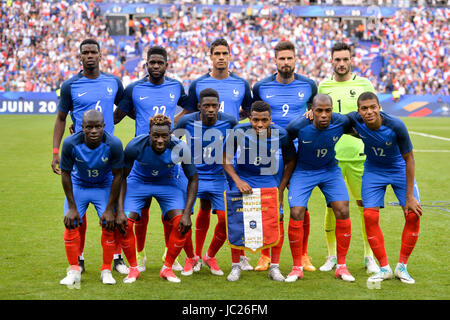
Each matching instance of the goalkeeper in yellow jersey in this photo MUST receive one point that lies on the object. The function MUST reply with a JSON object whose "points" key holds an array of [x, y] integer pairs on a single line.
{"points": [[344, 88]]}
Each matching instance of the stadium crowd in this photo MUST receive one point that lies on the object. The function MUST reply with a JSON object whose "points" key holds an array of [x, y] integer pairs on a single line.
{"points": [[40, 39]]}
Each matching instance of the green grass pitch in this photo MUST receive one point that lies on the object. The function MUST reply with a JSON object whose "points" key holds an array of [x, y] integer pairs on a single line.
{"points": [[33, 260]]}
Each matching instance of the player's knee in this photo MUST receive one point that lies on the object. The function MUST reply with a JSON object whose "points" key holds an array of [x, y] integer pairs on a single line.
{"points": [[412, 219], [371, 217], [341, 211], [298, 213]]}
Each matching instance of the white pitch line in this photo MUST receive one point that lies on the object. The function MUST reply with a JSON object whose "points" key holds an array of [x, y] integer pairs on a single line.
{"points": [[429, 135], [431, 150]]}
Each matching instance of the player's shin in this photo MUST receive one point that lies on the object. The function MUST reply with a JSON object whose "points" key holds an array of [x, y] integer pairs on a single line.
{"points": [[72, 246], [235, 255], [409, 236], [306, 230], [128, 244], [367, 250], [220, 234], [330, 233], [188, 246], [201, 229], [295, 234], [343, 236], [276, 250], [140, 229], [109, 246], [82, 229], [375, 235], [167, 229], [176, 242]]}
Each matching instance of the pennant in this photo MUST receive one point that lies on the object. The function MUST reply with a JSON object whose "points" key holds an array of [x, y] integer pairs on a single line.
{"points": [[252, 219]]}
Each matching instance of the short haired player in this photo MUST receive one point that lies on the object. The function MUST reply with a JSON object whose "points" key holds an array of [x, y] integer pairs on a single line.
{"points": [[235, 99], [152, 165], [289, 95], [154, 94], [91, 173], [344, 87], [390, 161], [89, 89], [317, 167], [257, 167], [205, 132]]}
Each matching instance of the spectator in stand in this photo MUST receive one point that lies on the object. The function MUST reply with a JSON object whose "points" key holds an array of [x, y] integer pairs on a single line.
{"points": [[38, 38]]}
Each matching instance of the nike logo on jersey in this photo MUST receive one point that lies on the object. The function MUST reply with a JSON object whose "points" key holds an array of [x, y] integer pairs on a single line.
{"points": [[82, 94], [105, 159], [303, 141], [335, 139], [388, 143], [268, 96], [76, 159], [155, 172], [142, 98]]}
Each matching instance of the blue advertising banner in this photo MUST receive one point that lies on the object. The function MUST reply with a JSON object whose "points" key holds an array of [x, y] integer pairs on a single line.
{"points": [[426, 105], [406, 106], [28, 103], [299, 11]]}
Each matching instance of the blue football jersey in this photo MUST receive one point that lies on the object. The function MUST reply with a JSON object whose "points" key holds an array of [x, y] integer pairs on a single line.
{"points": [[258, 157], [148, 99], [234, 92], [80, 94], [385, 146], [287, 101], [149, 166], [316, 147], [206, 142], [91, 167]]}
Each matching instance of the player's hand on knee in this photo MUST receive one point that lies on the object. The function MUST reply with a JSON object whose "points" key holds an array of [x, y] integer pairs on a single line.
{"points": [[107, 220], [72, 219], [185, 224], [121, 222], [413, 205]]}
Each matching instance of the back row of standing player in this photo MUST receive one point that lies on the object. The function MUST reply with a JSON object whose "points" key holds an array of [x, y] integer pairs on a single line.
{"points": [[288, 95]]}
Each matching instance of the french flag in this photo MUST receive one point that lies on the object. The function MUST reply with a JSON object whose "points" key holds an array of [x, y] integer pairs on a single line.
{"points": [[144, 22], [252, 219]]}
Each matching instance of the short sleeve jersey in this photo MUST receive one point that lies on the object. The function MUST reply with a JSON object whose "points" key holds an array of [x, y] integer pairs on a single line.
{"points": [[344, 95], [206, 142], [385, 146], [80, 94], [287, 101], [147, 166], [91, 167], [316, 147], [148, 99], [234, 92], [258, 157]]}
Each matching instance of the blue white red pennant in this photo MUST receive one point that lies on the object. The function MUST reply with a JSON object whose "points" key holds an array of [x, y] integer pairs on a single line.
{"points": [[252, 219]]}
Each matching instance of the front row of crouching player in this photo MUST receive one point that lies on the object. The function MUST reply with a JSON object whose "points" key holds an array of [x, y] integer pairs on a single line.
{"points": [[96, 170]]}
